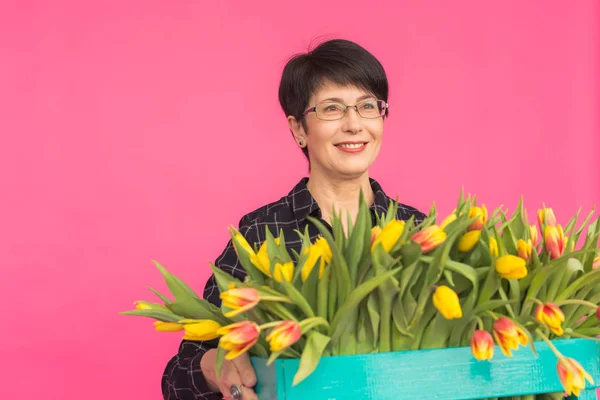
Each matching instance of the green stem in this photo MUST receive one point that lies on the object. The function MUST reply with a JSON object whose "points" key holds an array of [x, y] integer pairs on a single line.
{"points": [[269, 325], [494, 316], [549, 343], [309, 323], [508, 306], [479, 322], [578, 302], [281, 299]]}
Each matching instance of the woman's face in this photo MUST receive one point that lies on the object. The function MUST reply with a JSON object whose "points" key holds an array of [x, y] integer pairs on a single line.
{"points": [[343, 148]]}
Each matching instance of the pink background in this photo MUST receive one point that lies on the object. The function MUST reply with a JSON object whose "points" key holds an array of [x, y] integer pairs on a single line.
{"points": [[110, 157]]}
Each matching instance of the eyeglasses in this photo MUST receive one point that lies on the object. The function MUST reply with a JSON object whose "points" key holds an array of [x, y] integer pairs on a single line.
{"points": [[329, 111]]}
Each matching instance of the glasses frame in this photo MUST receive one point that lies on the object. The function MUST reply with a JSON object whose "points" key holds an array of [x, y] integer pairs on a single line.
{"points": [[346, 107]]}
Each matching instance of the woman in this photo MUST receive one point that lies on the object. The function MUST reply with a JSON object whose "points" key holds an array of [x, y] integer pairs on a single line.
{"points": [[335, 100]]}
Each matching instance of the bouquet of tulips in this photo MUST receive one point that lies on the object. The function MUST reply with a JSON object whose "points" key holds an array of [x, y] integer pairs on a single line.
{"points": [[472, 280]]}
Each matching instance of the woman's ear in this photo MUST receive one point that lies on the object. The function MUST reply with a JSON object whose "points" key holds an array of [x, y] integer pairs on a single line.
{"points": [[297, 130]]}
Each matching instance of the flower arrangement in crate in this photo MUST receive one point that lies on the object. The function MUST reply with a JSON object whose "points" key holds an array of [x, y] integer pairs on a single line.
{"points": [[473, 280]]}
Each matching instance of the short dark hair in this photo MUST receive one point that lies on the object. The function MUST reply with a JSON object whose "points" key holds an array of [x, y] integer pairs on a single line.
{"points": [[339, 61]]}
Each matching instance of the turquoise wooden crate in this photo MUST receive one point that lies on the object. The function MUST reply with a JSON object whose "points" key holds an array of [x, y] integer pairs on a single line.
{"points": [[448, 374]]}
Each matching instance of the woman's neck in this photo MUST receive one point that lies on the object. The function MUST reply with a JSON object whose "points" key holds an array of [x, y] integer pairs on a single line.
{"points": [[341, 193]]}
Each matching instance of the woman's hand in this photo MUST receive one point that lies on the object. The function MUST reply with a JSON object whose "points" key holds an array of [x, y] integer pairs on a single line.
{"points": [[238, 371]]}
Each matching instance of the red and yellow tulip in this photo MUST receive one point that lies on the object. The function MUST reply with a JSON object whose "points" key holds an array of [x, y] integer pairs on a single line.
{"points": [[481, 213], [239, 300], [238, 338], [546, 217], [551, 315], [524, 249], [482, 345], [508, 335], [429, 238], [534, 235], [555, 241], [596, 263], [447, 303], [388, 236], [284, 335], [572, 376], [511, 267]]}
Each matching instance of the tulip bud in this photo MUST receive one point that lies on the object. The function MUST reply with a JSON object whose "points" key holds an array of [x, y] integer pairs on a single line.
{"points": [[572, 376], [447, 303], [319, 249], [389, 235], [555, 240], [596, 263], [534, 235], [262, 261], [482, 345], [239, 300], [200, 330], [163, 326], [284, 335], [141, 306], [511, 267], [493, 247], [598, 313], [240, 243], [508, 335], [524, 249], [238, 338], [375, 231], [447, 221], [480, 212], [552, 316], [468, 241], [429, 238], [546, 216], [284, 271]]}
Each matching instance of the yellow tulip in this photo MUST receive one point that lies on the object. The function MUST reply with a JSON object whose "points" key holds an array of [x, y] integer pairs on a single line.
{"points": [[141, 306], [446, 302], [389, 235], [263, 262], [201, 329], [468, 241], [493, 247], [284, 271], [163, 326], [447, 221], [319, 249], [511, 267]]}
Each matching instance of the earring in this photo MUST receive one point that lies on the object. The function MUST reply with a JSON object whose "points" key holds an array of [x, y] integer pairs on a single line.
{"points": [[300, 143]]}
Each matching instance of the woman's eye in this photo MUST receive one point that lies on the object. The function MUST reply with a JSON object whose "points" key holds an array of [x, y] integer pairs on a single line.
{"points": [[332, 108], [368, 106]]}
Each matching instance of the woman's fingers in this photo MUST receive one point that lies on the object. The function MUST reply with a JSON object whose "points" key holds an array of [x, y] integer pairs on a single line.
{"points": [[246, 370]]}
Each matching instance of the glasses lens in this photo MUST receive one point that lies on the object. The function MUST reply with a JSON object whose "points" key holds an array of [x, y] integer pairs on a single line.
{"points": [[371, 108], [330, 111]]}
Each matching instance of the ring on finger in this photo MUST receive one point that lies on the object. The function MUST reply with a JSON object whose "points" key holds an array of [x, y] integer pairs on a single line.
{"points": [[236, 391]]}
